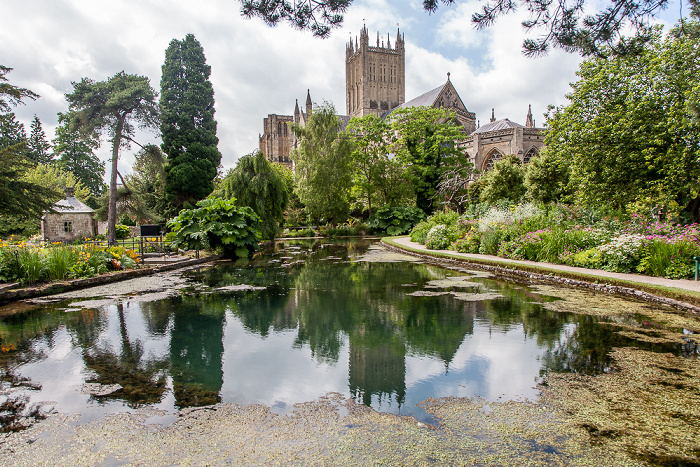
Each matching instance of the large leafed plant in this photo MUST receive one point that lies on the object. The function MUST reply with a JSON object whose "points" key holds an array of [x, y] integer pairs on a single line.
{"points": [[217, 224]]}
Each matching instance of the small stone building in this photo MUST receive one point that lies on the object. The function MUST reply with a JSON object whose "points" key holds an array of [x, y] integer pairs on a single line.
{"points": [[70, 220]]}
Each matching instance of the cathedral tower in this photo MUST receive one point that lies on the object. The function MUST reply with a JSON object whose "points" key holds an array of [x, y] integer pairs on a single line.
{"points": [[374, 76]]}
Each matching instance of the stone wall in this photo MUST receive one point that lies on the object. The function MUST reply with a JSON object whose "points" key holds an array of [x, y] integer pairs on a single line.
{"points": [[66, 227]]}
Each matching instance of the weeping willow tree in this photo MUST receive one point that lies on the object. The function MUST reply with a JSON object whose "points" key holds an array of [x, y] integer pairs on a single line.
{"points": [[255, 183]]}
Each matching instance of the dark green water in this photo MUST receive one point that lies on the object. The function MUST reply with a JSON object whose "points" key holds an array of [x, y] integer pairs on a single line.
{"points": [[320, 320]]}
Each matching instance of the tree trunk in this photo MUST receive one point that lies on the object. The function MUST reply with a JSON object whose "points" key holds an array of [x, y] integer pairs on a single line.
{"points": [[112, 208]]}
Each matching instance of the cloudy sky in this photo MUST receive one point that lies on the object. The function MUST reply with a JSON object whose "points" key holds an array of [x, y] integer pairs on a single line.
{"points": [[258, 70]]}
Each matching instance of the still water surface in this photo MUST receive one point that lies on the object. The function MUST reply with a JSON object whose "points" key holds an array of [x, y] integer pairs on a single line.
{"points": [[314, 317]]}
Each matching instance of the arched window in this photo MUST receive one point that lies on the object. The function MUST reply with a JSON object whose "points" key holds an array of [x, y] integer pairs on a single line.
{"points": [[530, 154], [491, 159]]}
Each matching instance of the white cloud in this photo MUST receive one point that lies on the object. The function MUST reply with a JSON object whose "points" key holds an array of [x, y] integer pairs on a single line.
{"points": [[258, 70]]}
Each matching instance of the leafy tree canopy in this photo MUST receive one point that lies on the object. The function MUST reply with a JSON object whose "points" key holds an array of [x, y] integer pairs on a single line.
{"points": [[18, 196], [114, 106], [12, 133], [628, 132], [427, 144], [187, 125], [578, 26], [504, 181], [256, 184], [323, 165], [52, 176]]}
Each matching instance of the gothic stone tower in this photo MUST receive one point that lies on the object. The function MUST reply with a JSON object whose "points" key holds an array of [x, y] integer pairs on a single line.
{"points": [[374, 76]]}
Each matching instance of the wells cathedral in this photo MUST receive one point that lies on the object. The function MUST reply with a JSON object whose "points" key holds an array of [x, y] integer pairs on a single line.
{"points": [[375, 84]]}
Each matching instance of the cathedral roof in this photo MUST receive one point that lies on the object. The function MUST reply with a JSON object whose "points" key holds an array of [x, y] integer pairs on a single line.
{"points": [[424, 100], [502, 124]]}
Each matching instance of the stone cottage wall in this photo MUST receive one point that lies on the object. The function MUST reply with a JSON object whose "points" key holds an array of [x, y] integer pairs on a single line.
{"points": [[67, 226]]}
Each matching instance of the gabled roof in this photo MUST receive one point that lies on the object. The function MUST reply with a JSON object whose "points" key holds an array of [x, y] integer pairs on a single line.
{"points": [[424, 100], [72, 205], [502, 124]]}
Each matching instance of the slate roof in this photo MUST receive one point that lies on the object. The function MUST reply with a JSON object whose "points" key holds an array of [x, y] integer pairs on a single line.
{"points": [[72, 205], [424, 100], [502, 124]]}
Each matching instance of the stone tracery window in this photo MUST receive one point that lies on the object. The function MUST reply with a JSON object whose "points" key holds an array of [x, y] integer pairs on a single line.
{"points": [[491, 159], [530, 154]]}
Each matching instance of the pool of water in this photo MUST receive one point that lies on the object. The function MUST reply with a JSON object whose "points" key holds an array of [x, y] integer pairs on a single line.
{"points": [[304, 319]]}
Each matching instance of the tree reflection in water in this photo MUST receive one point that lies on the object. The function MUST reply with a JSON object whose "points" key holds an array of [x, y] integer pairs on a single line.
{"points": [[347, 313]]}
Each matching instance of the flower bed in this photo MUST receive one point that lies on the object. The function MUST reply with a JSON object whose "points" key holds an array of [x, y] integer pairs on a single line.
{"points": [[49, 262], [576, 238]]}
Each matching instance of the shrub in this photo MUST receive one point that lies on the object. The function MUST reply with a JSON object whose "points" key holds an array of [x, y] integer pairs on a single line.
{"points": [[126, 220], [469, 243], [217, 224], [448, 218], [121, 231], [438, 238], [622, 253], [395, 220]]}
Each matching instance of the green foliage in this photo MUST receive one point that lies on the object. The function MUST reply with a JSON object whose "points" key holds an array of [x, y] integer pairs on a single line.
{"points": [[53, 177], [12, 133], [30, 264], [113, 106], [75, 153], [187, 125], [323, 166], [439, 237], [11, 95], [395, 220], [628, 132], [122, 231], [256, 184], [505, 181], [217, 224], [37, 145], [373, 169], [448, 218], [20, 198], [427, 144], [124, 219], [546, 178], [672, 260]]}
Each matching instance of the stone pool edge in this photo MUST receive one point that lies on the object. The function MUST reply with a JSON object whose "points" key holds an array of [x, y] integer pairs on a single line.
{"points": [[515, 271], [52, 288]]}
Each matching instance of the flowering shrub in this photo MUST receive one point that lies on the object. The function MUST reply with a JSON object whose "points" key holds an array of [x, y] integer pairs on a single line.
{"points": [[622, 253], [498, 216], [438, 238], [447, 218]]}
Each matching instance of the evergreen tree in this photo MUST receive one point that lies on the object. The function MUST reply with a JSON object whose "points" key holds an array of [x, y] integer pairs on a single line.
{"points": [[114, 106], [75, 152], [11, 95], [12, 133], [39, 148], [187, 126]]}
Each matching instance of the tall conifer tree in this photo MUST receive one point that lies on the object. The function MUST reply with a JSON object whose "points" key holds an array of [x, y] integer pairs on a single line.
{"points": [[39, 147], [188, 127]]}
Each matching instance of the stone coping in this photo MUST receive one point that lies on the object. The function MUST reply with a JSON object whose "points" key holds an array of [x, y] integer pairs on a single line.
{"points": [[66, 286], [539, 272]]}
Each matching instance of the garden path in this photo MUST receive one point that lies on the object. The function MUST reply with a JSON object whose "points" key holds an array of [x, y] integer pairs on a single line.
{"points": [[684, 284]]}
